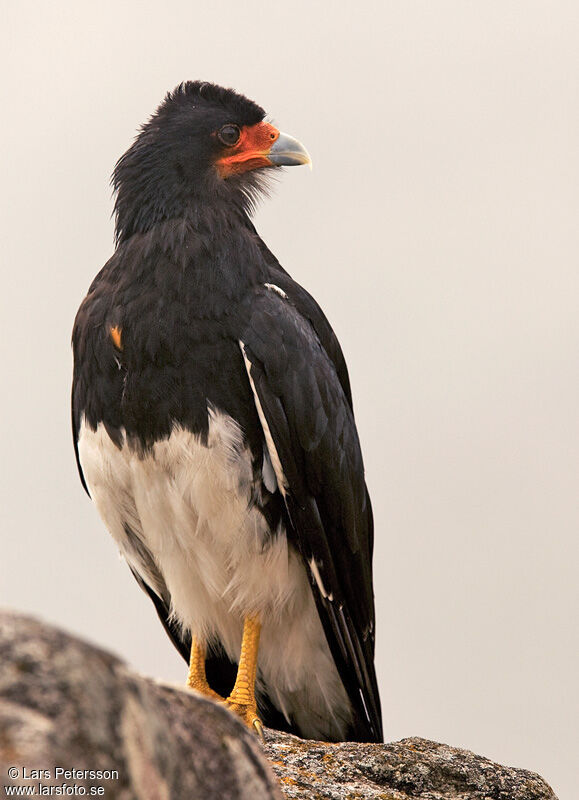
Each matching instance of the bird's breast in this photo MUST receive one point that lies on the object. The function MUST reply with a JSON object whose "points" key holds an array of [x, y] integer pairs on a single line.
{"points": [[195, 509]]}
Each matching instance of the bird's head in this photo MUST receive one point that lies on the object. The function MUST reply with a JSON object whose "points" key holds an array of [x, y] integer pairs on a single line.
{"points": [[204, 146]]}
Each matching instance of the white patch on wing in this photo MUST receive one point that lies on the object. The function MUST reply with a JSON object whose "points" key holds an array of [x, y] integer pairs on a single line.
{"points": [[319, 581], [272, 287], [190, 507], [270, 444]]}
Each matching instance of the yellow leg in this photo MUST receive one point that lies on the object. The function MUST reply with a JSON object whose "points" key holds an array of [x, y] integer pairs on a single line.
{"points": [[242, 698], [197, 679]]}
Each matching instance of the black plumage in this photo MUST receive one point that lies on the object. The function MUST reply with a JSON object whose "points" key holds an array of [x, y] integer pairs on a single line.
{"points": [[194, 313]]}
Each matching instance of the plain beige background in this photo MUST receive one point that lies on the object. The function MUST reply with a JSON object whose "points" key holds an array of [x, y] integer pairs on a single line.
{"points": [[438, 230]]}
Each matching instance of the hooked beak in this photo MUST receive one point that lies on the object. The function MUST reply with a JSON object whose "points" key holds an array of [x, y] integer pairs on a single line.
{"points": [[288, 152]]}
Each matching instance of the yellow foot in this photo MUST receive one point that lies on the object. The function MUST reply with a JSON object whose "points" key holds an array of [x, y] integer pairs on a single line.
{"points": [[205, 690], [248, 713], [197, 679]]}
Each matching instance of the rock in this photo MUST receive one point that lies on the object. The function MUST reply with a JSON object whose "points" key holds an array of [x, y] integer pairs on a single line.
{"points": [[67, 705], [79, 717], [406, 770]]}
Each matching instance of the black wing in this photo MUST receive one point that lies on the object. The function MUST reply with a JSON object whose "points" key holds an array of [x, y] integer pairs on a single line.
{"points": [[304, 409], [308, 308]]}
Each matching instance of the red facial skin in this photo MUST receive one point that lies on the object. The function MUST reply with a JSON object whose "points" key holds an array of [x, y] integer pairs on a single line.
{"points": [[250, 152]]}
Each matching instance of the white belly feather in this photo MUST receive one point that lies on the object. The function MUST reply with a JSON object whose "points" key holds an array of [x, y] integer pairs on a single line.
{"points": [[189, 505]]}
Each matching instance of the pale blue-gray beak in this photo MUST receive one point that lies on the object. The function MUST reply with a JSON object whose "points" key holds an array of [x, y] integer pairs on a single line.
{"points": [[288, 152]]}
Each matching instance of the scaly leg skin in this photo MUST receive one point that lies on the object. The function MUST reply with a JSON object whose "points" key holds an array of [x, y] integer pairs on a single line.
{"points": [[197, 679], [242, 698]]}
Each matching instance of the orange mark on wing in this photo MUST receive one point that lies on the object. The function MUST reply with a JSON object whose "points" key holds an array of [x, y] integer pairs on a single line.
{"points": [[115, 332]]}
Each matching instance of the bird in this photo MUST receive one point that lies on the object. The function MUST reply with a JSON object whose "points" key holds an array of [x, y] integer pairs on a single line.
{"points": [[214, 429]]}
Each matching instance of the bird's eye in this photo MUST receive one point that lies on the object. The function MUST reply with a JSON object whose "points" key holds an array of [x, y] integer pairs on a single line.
{"points": [[229, 135]]}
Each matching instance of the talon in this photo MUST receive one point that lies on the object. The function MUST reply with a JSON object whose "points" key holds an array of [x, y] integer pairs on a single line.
{"points": [[259, 729], [247, 713]]}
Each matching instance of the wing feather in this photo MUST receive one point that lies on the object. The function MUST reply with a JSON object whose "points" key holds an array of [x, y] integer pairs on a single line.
{"points": [[307, 416]]}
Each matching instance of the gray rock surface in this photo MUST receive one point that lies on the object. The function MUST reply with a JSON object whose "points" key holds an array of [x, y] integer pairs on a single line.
{"points": [[66, 705], [406, 770]]}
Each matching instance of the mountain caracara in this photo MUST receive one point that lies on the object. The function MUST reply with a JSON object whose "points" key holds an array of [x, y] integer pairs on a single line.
{"points": [[214, 431]]}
